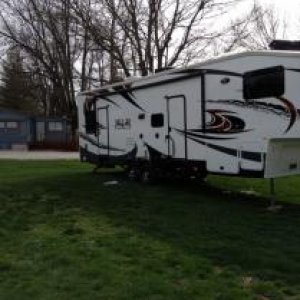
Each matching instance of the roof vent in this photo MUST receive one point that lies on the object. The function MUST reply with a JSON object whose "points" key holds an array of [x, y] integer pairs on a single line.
{"points": [[285, 45]]}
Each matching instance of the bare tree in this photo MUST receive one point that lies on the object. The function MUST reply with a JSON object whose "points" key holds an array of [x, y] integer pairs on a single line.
{"points": [[45, 31], [74, 45], [254, 30], [146, 35]]}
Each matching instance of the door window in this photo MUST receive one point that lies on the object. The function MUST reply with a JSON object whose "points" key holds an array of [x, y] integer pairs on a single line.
{"points": [[90, 118]]}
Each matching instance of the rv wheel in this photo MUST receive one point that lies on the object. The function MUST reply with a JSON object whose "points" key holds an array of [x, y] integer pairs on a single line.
{"points": [[148, 175], [200, 177], [133, 174], [145, 176]]}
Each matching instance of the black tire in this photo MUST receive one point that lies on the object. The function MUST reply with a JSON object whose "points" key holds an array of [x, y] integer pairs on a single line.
{"points": [[145, 176]]}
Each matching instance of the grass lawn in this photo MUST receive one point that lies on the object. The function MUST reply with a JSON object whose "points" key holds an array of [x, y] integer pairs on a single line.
{"points": [[64, 235]]}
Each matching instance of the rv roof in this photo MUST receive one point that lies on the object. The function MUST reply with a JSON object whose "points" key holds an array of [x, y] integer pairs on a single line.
{"points": [[200, 64]]}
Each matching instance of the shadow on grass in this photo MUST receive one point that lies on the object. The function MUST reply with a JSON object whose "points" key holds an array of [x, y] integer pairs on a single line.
{"points": [[230, 230]]}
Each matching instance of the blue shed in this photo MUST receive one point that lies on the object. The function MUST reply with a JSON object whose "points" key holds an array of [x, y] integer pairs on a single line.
{"points": [[20, 131], [52, 131], [15, 130]]}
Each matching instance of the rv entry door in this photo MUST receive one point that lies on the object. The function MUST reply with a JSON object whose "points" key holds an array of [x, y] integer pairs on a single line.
{"points": [[177, 126], [103, 130]]}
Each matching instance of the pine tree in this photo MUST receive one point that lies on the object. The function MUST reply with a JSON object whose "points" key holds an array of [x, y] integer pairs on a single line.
{"points": [[15, 91]]}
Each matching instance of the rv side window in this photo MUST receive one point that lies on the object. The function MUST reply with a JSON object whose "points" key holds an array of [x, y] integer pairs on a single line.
{"points": [[90, 118], [157, 120], [264, 83]]}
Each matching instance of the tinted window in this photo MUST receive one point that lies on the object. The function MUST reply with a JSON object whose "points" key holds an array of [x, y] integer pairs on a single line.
{"points": [[12, 125], [90, 118], [157, 120], [55, 126], [264, 83]]}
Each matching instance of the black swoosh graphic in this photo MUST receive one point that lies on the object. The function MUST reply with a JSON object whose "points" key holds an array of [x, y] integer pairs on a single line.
{"points": [[109, 100], [154, 153], [100, 146], [125, 94], [294, 70], [95, 157], [197, 135], [254, 156], [207, 130]]}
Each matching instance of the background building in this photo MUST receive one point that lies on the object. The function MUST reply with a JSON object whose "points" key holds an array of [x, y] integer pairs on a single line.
{"points": [[20, 131]]}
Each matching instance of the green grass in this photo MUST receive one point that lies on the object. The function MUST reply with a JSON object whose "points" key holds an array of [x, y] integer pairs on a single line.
{"points": [[64, 235]]}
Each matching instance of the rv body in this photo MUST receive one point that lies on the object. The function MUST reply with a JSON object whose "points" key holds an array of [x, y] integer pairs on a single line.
{"points": [[235, 115]]}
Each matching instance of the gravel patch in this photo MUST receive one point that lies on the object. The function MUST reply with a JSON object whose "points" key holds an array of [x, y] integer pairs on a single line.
{"points": [[39, 155]]}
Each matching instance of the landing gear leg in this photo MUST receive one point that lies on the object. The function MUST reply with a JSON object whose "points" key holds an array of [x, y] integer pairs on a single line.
{"points": [[273, 207]]}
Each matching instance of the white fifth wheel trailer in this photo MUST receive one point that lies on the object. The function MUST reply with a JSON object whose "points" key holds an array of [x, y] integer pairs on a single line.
{"points": [[236, 115]]}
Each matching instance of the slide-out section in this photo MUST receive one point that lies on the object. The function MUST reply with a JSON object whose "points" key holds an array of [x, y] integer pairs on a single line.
{"points": [[283, 157]]}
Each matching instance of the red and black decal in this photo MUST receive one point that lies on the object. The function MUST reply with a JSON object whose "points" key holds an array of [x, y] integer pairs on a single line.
{"points": [[291, 109]]}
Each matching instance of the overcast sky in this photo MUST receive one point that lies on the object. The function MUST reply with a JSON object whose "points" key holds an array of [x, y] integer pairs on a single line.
{"points": [[288, 5], [290, 9]]}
